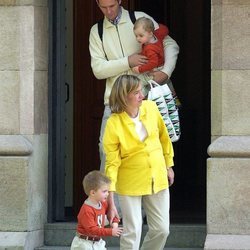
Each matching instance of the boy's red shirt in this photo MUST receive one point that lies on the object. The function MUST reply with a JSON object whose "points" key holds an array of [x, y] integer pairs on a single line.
{"points": [[91, 220]]}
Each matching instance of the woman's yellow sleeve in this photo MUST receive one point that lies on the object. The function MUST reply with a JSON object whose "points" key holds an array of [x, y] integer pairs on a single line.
{"points": [[111, 146]]}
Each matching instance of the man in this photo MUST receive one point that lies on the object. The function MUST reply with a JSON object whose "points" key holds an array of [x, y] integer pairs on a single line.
{"points": [[117, 53]]}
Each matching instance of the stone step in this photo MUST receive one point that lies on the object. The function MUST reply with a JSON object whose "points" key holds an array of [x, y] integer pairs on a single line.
{"points": [[109, 248], [227, 242], [181, 235]]}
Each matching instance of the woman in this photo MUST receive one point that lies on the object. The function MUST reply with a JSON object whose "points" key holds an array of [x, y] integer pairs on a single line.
{"points": [[139, 160]]}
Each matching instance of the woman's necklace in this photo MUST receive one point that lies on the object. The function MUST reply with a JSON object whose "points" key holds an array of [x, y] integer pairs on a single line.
{"points": [[133, 114]]}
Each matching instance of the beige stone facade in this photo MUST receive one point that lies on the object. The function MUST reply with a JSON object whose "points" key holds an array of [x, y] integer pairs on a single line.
{"points": [[23, 122], [24, 125], [228, 169]]}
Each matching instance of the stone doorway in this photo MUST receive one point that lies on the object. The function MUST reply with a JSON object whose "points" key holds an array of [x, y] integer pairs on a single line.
{"points": [[189, 25]]}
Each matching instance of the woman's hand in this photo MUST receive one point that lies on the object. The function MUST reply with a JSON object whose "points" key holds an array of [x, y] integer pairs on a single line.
{"points": [[112, 211], [114, 225], [170, 176]]}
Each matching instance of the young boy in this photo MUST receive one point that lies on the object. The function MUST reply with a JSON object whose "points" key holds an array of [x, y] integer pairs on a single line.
{"points": [[90, 227]]}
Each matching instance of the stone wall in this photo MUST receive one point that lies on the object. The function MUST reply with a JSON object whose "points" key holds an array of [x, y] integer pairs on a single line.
{"points": [[228, 172], [23, 122]]}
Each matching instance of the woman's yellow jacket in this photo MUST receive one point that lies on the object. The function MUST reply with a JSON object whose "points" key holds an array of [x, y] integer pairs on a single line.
{"points": [[137, 167]]}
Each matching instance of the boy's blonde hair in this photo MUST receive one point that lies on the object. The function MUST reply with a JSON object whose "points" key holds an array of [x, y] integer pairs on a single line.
{"points": [[123, 85], [94, 180], [146, 23]]}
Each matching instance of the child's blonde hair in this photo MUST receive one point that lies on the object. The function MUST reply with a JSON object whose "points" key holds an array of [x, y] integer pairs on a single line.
{"points": [[146, 23], [94, 180]]}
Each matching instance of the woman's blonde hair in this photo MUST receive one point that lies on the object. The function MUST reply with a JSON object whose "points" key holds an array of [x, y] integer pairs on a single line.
{"points": [[123, 85]]}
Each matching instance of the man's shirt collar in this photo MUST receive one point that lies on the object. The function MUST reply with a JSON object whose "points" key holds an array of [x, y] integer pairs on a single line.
{"points": [[118, 18]]}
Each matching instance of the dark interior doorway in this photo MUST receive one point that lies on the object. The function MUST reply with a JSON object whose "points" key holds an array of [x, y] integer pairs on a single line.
{"points": [[189, 24]]}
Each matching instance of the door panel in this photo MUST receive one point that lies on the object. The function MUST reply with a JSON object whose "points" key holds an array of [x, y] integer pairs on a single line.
{"points": [[87, 99], [189, 25]]}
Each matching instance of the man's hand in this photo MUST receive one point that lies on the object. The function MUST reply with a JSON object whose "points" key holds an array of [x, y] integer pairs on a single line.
{"points": [[136, 60], [170, 176], [159, 76]]}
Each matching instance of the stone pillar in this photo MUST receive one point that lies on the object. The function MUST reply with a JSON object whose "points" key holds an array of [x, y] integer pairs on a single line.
{"points": [[23, 122], [228, 168]]}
